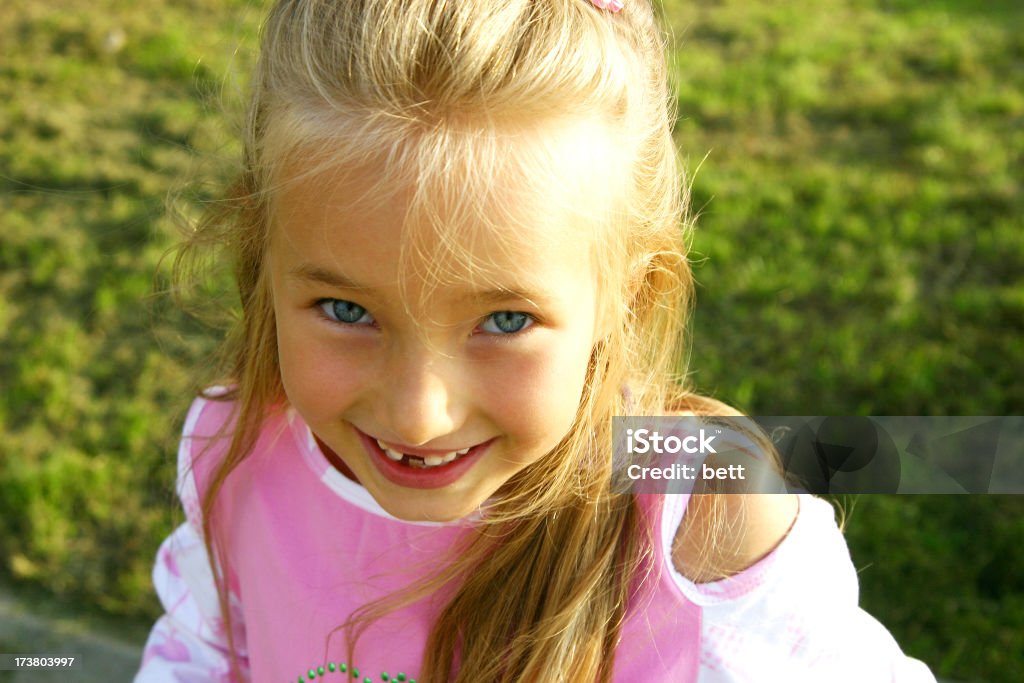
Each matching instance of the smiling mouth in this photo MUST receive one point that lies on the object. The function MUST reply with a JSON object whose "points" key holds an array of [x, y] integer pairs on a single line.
{"points": [[422, 462]]}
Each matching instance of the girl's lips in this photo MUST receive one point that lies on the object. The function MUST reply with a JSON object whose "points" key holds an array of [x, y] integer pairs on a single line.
{"points": [[412, 476]]}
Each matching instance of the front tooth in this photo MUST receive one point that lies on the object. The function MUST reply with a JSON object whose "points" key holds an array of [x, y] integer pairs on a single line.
{"points": [[448, 458], [463, 451], [394, 455], [433, 460]]}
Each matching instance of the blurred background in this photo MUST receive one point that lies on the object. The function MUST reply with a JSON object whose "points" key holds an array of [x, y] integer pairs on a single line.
{"points": [[857, 166]]}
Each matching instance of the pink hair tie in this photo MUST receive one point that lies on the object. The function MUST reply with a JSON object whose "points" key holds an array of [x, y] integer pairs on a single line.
{"points": [[610, 5]]}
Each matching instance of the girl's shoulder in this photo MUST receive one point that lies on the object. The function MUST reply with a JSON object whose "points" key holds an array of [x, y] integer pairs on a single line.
{"points": [[724, 534], [205, 434], [211, 413], [721, 535], [214, 417]]}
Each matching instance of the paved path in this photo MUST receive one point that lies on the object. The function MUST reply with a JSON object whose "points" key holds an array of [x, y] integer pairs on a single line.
{"points": [[104, 658]]}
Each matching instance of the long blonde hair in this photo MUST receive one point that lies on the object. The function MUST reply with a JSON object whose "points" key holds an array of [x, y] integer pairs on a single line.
{"points": [[416, 84]]}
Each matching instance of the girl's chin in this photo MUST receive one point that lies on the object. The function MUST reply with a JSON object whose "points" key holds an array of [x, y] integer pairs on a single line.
{"points": [[433, 507]]}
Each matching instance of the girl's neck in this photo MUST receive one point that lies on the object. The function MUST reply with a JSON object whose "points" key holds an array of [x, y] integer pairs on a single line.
{"points": [[335, 461]]}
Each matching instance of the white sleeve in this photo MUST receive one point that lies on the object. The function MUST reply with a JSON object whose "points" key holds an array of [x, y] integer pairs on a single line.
{"points": [[794, 615], [189, 643]]}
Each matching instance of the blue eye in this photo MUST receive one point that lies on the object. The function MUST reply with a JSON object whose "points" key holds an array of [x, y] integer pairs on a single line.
{"points": [[345, 312], [506, 322]]}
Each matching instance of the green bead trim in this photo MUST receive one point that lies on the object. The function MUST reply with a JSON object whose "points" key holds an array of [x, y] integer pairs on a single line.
{"points": [[342, 667]]}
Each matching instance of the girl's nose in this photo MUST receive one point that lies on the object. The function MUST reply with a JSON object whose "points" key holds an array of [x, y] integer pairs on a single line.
{"points": [[423, 400]]}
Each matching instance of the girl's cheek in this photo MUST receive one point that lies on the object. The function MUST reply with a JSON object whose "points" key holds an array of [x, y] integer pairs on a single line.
{"points": [[536, 396], [321, 376]]}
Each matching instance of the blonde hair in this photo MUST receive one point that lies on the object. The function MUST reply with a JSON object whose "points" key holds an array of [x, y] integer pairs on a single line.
{"points": [[422, 86]]}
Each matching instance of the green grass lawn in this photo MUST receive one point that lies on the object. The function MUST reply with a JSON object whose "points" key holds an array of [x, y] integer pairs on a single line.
{"points": [[857, 168]]}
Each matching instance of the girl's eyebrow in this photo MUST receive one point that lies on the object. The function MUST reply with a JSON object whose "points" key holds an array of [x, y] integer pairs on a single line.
{"points": [[501, 294], [309, 273]]}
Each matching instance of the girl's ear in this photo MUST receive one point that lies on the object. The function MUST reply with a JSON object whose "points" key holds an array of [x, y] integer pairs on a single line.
{"points": [[636, 276], [609, 317], [636, 279]]}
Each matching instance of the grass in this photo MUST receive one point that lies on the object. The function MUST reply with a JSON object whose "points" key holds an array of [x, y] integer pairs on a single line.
{"points": [[860, 251]]}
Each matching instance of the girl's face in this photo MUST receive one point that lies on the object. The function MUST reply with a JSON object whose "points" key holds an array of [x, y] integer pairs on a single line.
{"points": [[495, 363]]}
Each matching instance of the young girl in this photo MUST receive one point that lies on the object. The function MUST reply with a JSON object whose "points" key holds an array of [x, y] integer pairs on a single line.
{"points": [[457, 242]]}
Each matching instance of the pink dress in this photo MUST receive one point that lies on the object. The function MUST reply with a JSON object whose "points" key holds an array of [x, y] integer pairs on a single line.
{"points": [[307, 546]]}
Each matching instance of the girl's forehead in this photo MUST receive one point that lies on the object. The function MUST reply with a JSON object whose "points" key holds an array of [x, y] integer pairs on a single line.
{"points": [[523, 195], [380, 239]]}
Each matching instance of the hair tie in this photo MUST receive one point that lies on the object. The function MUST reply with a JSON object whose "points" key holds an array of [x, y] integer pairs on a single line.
{"points": [[610, 5]]}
